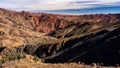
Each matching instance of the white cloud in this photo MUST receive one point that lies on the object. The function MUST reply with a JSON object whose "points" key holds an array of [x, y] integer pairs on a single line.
{"points": [[108, 1], [54, 4]]}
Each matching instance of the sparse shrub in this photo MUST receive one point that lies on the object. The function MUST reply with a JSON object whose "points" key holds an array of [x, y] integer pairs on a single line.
{"points": [[3, 60], [17, 56], [42, 60], [36, 58], [13, 57]]}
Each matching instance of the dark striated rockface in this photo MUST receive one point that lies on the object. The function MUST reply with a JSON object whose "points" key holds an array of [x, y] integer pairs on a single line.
{"points": [[102, 47]]}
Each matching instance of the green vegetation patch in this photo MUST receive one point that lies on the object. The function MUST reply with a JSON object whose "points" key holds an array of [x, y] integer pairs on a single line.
{"points": [[13, 57]]}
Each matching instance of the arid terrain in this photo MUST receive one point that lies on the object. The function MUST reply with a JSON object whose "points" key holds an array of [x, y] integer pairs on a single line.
{"points": [[41, 40]]}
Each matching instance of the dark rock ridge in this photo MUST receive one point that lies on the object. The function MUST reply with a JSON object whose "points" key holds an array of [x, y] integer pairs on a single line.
{"points": [[102, 47]]}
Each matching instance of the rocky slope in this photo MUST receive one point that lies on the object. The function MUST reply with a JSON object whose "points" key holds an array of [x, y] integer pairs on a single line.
{"points": [[61, 38], [102, 47], [15, 37]]}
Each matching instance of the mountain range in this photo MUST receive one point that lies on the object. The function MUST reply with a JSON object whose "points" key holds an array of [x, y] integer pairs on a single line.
{"points": [[57, 38]]}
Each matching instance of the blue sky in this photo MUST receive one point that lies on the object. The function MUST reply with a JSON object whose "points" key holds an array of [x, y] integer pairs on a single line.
{"points": [[64, 6]]}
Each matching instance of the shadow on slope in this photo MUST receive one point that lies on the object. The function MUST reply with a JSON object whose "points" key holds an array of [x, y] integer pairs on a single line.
{"points": [[102, 47]]}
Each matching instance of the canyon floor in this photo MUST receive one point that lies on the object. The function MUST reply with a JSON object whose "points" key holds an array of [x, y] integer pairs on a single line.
{"points": [[30, 62]]}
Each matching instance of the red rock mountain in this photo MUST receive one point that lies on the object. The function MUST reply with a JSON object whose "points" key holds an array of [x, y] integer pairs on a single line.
{"points": [[49, 22]]}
